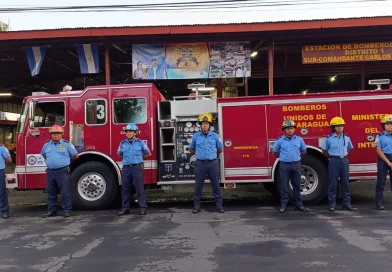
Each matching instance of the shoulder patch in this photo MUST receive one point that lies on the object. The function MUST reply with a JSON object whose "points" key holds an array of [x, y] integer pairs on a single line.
{"points": [[330, 135], [65, 141], [380, 134], [346, 135]]}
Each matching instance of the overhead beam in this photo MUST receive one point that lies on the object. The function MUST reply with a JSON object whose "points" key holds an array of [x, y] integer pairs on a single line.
{"points": [[194, 29]]}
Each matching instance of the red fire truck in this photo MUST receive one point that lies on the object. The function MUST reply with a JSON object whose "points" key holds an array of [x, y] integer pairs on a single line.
{"points": [[94, 119]]}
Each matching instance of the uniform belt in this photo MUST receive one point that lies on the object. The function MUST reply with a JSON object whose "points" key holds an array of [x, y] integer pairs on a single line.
{"points": [[206, 160], [291, 162], [339, 157], [134, 164], [55, 169]]}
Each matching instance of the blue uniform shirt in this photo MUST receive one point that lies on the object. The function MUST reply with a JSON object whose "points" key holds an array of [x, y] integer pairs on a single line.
{"points": [[337, 146], [4, 155], [384, 140], [206, 145], [132, 152], [58, 155], [289, 149]]}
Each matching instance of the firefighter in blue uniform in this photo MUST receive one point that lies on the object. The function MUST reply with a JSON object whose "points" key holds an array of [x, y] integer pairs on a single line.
{"points": [[58, 154], [383, 145], [5, 158], [289, 148], [133, 152], [207, 146], [336, 147]]}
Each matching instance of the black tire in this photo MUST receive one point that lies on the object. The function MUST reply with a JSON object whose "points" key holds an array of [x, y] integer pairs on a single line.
{"points": [[107, 175], [310, 164]]}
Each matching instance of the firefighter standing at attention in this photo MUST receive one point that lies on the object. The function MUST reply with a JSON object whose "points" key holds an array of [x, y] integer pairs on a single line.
{"points": [[4, 158], [58, 154], [336, 147], [383, 145], [289, 148], [133, 152], [207, 146]]}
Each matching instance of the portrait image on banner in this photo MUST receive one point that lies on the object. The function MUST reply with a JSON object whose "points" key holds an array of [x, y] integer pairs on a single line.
{"points": [[148, 61], [230, 59], [187, 60]]}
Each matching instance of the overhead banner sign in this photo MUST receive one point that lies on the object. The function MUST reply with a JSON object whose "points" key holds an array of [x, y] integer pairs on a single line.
{"points": [[350, 52], [191, 60]]}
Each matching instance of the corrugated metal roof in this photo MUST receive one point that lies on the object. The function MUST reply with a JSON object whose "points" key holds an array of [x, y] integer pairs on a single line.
{"points": [[208, 24]]}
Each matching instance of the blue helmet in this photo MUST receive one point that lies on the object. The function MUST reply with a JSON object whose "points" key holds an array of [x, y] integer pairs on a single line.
{"points": [[132, 127]]}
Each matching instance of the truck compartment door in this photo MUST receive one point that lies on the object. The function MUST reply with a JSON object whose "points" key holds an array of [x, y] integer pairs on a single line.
{"points": [[244, 136]]}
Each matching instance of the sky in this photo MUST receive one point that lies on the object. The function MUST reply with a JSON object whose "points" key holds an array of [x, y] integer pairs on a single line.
{"points": [[47, 20]]}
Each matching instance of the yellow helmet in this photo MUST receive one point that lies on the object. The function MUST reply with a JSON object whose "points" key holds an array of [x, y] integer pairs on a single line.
{"points": [[386, 118], [288, 123], [337, 121], [205, 117]]}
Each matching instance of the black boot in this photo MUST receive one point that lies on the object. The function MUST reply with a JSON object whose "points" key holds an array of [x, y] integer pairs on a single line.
{"points": [[349, 208], [143, 212], [124, 212], [301, 209], [5, 215], [283, 207], [49, 214], [196, 210]]}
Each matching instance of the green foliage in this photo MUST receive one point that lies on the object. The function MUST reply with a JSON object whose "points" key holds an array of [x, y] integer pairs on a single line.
{"points": [[4, 27]]}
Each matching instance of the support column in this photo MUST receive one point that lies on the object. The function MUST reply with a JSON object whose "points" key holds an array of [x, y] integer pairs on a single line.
{"points": [[107, 64], [363, 77], [271, 69], [246, 86], [219, 87]]}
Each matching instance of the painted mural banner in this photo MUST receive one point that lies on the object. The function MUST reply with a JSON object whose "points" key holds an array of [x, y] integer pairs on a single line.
{"points": [[191, 60], [351, 52]]}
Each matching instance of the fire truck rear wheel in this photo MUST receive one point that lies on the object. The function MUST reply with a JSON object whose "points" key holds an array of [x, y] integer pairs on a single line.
{"points": [[94, 186], [314, 181]]}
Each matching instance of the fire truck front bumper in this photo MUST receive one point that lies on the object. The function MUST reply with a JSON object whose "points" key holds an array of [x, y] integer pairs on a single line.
{"points": [[11, 180]]}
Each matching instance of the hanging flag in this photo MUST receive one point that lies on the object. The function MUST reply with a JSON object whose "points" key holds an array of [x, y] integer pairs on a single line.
{"points": [[88, 58], [35, 57]]}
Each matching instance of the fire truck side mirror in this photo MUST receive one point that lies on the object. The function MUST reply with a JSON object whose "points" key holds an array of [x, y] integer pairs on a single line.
{"points": [[31, 114]]}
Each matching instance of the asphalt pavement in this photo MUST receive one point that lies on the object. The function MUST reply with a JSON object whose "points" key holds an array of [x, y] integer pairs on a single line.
{"points": [[250, 236]]}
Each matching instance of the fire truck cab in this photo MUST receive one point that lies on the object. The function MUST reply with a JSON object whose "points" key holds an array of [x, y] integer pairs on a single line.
{"points": [[94, 119]]}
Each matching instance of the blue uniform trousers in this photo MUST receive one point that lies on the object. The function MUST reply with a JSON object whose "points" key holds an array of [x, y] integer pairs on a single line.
{"points": [[382, 171], [133, 174], [208, 168], [338, 168], [3, 193], [290, 171], [58, 180]]}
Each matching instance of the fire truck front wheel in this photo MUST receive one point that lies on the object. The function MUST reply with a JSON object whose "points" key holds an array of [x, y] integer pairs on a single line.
{"points": [[94, 186]]}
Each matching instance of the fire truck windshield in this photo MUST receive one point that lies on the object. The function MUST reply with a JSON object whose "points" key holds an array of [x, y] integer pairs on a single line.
{"points": [[23, 118]]}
